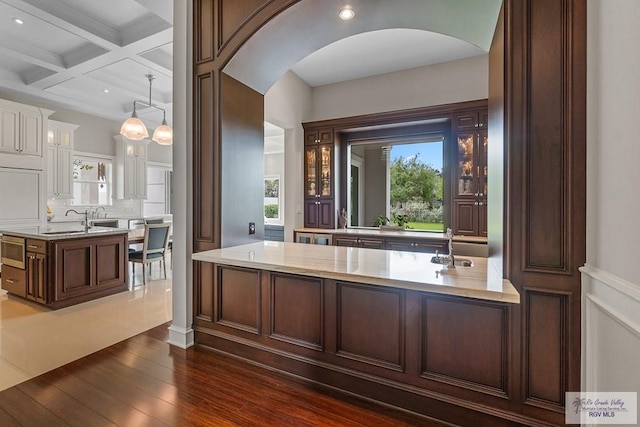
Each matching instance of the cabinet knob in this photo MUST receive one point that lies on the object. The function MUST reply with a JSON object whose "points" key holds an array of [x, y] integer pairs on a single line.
{"points": [[476, 125], [481, 124], [481, 194], [476, 194], [475, 204], [480, 203]]}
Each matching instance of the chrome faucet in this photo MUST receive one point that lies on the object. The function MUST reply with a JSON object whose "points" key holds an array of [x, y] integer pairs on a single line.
{"points": [[103, 210], [86, 217], [451, 262]]}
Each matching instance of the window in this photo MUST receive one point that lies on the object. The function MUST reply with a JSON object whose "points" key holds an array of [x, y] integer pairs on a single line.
{"points": [[159, 191], [272, 198], [401, 178], [91, 181]]}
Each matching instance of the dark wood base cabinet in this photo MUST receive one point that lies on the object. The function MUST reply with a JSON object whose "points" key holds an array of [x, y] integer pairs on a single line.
{"points": [[443, 356], [60, 273]]}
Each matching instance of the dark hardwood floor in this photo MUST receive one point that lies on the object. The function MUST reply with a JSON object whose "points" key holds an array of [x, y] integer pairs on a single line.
{"points": [[145, 382]]}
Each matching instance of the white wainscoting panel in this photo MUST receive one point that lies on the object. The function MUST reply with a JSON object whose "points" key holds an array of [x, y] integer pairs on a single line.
{"points": [[610, 332]]}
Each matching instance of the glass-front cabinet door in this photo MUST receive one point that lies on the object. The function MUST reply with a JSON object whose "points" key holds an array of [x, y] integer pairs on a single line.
{"points": [[325, 170], [311, 168], [484, 146], [471, 164], [318, 161], [465, 165]]}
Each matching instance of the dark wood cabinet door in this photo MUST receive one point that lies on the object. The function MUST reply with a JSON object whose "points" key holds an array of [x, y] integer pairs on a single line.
{"points": [[431, 246], [14, 280], [311, 137], [482, 217], [351, 242], [465, 213], [311, 211], [465, 121], [326, 214], [418, 245], [372, 243], [37, 277], [319, 213], [400, 245], [318, 136]]}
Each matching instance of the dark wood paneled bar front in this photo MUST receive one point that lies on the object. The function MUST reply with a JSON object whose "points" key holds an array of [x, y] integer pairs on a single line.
{"points": [[387, 325]]}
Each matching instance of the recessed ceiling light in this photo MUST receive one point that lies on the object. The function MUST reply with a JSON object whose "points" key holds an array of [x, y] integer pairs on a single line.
{"points": [[18, 21], [346, 13], [105, 90]]}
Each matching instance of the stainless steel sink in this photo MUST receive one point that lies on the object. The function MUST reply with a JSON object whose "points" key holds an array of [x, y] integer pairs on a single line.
{"points": [[457, 261]]}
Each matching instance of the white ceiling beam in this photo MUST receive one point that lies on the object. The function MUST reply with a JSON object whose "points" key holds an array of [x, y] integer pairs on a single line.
{"points": [[162, 8], [71, 20], [26, 52], [142, 28], [109, 58]]}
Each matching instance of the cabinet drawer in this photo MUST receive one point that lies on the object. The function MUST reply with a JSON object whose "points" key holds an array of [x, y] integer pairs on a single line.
{"points": [[36, 246], [14, 280]]}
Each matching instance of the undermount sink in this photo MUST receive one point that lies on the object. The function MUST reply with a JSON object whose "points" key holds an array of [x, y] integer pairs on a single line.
{"points": [[458, 262], [63, 232]]}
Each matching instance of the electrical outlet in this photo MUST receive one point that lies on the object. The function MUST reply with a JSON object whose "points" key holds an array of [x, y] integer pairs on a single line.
{"points": [[252, 228]]}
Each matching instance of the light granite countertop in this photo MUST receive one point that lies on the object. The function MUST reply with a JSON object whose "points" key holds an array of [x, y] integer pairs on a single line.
{"points": [[60, 231], [406, 270]]}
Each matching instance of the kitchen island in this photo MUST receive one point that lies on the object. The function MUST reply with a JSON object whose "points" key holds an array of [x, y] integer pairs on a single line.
{"points": [[387, 325], [64, 264]]}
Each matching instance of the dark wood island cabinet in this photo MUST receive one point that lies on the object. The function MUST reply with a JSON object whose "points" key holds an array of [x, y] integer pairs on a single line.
{"points": [[63, 269]]}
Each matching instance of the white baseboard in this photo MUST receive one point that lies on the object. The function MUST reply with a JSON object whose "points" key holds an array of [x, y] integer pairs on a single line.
{"points": [[181, 337]]}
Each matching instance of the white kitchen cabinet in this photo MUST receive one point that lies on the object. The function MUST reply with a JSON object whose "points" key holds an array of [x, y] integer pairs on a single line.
{"points": [[20, 195], [60, 160], [22, 129], [131, 168]]}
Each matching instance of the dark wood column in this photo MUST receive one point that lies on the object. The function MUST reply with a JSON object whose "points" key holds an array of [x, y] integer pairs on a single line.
{"points": [[545, 227]]}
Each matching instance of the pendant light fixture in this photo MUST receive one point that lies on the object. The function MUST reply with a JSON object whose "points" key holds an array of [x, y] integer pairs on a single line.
{"points": [[133, 128]]}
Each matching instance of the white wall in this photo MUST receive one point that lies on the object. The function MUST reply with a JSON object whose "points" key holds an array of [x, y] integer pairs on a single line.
{"points": [[455, 81], [287, 105], [611, 280]]}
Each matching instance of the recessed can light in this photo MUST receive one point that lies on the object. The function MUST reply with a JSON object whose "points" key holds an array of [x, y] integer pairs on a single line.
{"points": [[346, 13], [18, 21], [105, 90]]}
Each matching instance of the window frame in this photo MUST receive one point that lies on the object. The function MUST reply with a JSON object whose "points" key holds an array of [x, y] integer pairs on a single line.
{"points": [[168, 190], [278, 219], [81, 155]]}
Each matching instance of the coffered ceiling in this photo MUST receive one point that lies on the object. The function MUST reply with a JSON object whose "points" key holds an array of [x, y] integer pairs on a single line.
{"points": [[88, 55], [92, 55]]}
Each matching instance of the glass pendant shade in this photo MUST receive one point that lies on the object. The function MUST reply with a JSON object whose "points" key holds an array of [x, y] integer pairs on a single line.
{"points": [[163, 134], [133, 128]]}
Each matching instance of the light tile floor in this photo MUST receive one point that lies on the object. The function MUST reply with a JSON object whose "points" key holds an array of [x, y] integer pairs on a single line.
{"points": [[35, 340]]}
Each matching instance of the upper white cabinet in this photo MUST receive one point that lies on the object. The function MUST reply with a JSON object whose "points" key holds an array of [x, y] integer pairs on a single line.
{"points": [[22, 130], [20, 192], [60, 160], [131, 168]]}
